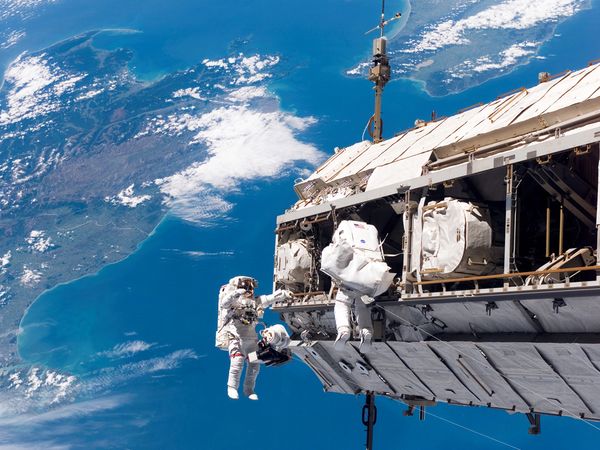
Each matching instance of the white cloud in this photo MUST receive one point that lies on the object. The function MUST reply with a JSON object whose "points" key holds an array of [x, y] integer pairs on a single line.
{"points": [[359, 69], [43, 387], [89, 94], [243, 144], [168, 362], [508, 57], [21, 8], [67, 84], [5, 261], [202, 207], [108, 378], [78, 409], [215, 63], [127, 198], [189, 92], [38, 242], [246, 93], [251, 69], [30, 277], [37, 379], [247, 69], [238, 143], [510, 14], [127, 349], [198, 254], [40, 405], [33, 85], [12, 38], [28, 76]]}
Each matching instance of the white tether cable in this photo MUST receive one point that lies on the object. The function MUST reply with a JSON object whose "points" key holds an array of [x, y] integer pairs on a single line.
{"points": [[429, 413]]}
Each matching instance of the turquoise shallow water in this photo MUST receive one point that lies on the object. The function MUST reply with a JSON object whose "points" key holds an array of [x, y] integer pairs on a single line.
{"points": [[171, 394]]}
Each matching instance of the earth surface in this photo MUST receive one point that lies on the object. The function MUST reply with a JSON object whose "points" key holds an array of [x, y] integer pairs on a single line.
{"points": [[145, 150]]}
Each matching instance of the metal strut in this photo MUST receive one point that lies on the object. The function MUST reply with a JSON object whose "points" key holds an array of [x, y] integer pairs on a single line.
{"points": [[535, 423], [369, 417]]}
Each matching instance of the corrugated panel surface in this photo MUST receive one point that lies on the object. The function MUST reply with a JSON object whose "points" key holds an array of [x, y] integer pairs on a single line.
{"points": [[354, 361], [577, 315], [433, 372], [576, 369], [541, 387], [314, 358], [519, 376], [473, 318], [396, 372], [340, 160], [465, 128], [474, 370]]}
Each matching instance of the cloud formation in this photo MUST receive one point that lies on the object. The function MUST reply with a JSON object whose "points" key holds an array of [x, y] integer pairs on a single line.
{"points": [[511, 14], [243, 143]]}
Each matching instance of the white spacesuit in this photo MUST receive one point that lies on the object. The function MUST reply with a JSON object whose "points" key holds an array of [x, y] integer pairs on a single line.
{"points": [[239, 313], [356, 264], [344, 300]]}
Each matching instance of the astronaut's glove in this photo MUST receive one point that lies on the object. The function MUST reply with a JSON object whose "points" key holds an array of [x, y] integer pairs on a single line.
{"points": [[277, 296], [282, 294]]}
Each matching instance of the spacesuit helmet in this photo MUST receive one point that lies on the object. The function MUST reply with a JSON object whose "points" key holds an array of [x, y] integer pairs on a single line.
{"points": [[244, 282]]}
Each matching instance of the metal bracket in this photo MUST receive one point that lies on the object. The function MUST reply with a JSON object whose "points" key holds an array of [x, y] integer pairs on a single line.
{"points": [[582, 150], [558, 303], [544, 160], [535, 422], [334, 217], [489, 307]]}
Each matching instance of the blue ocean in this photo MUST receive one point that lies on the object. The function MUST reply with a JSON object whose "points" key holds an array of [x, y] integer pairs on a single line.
{"points": [[138, 336]]}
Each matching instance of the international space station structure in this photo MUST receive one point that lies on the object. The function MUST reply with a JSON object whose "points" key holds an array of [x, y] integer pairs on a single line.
{"points": [[489, 221]]}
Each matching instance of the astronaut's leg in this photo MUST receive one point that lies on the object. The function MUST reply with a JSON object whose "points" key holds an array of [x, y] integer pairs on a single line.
{"points": [[363, 317], [236, 365], [252, 369], [341, 312]]}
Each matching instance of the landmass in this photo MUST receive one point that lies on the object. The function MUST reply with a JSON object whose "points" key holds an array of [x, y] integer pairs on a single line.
{"points": [[91, 158], [454, 45]]}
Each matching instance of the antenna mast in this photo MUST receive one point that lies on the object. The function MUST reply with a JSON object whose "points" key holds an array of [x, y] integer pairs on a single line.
{"points": [[379, 73]]}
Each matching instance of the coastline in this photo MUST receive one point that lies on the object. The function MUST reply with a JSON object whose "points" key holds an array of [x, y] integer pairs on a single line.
{"points": [[139, 245]]}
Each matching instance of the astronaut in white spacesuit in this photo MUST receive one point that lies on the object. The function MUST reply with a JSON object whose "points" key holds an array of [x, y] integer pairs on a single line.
{"points": [[355, 262], [239, 313]]}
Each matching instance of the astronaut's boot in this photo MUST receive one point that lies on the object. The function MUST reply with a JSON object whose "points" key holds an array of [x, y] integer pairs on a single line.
{"points": [[232, 393], [341, 339], [366, 336]]}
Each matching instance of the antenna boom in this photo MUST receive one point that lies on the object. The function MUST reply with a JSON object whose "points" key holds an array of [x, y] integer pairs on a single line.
{"points": [[380, 72]]}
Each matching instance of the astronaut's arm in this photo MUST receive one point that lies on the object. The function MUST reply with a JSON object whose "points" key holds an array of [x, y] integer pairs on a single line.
{"points": [[232, 299], [279, 295]]}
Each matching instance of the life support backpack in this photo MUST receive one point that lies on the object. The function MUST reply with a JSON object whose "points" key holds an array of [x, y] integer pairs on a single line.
{"points": [[355, 261], [222, 337]]}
